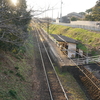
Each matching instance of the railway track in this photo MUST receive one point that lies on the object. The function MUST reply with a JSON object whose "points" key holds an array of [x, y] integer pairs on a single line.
{"points": [[91, 83], [56, 90]]}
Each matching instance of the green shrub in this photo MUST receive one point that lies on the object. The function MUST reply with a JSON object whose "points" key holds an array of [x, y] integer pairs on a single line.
{"points": [[22, 49], [19, 75], [0, 63], [13, 93], [11, 71], [93, 52], [17, 68], [5, 72], [17, 56]]}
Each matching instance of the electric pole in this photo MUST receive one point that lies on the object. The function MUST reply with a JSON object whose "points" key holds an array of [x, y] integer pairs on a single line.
{"points": [[52, 14], [61, 11], [48, 25]]}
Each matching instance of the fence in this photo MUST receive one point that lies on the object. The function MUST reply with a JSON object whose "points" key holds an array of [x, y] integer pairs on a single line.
{"points": [[92, 59], [88, 25]]}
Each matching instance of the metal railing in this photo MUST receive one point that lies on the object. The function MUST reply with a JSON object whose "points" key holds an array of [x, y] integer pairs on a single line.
{"points": [[87, 27], [80, 61]]}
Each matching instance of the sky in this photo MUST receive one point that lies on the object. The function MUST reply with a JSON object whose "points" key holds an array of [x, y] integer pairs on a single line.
{"points": [[68, 6]]}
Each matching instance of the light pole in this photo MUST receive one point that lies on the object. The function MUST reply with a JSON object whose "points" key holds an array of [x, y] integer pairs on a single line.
{"points": [[87, 56], [86, 53], [48, 25], [52, 14]]}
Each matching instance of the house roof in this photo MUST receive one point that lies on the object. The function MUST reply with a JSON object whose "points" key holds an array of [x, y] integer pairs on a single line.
{"points": [[61, 38]]}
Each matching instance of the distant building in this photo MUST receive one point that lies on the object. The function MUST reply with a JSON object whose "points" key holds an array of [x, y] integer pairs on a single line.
{"points": [[64, 19], [57, 20]]}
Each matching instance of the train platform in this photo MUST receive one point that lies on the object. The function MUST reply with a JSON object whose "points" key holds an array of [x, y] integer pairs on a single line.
{"points": [[57, 54], [65, 62]]}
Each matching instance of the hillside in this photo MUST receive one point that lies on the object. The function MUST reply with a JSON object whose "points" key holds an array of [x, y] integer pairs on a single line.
{"points": [[74, 14], [90, 39], [16, 73]]}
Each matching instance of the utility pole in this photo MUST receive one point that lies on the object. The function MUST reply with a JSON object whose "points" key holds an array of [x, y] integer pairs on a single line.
{"points": [[87, 55], [61, 11], [48, 25], [52, 14]]}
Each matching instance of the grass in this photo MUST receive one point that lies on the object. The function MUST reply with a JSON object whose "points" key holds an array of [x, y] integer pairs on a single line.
{"points": [[21, 76], [15, 74], [82, 47], [71, 86], [92, 39], [13, 93], [17, 68]]}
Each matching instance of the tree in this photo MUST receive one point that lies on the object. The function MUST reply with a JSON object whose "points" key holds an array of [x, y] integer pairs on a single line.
{"points": [[93, 13], [14, 22], [74, 19], [89, 18], [96, 12], [82, 13], [89, 11]]}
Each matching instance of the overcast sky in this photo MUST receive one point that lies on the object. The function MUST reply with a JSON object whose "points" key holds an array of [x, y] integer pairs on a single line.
{"points": [[68, 6]]}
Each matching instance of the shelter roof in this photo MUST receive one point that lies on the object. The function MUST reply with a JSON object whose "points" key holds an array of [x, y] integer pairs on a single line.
{"points": [[62, 38]]}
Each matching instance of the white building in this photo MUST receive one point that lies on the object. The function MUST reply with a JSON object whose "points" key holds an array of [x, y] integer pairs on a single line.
{"points": [[71, 50]]}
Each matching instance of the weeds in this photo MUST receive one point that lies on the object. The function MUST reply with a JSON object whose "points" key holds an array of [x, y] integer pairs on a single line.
{"points": [[5, 72], [13, 93], [11, 71], [15, 71], [17, 68], [0, 63], [19, 75], [70, 84]]}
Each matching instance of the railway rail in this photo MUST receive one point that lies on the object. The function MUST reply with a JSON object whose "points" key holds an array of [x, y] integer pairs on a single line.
{"points": [[56, 90]]}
